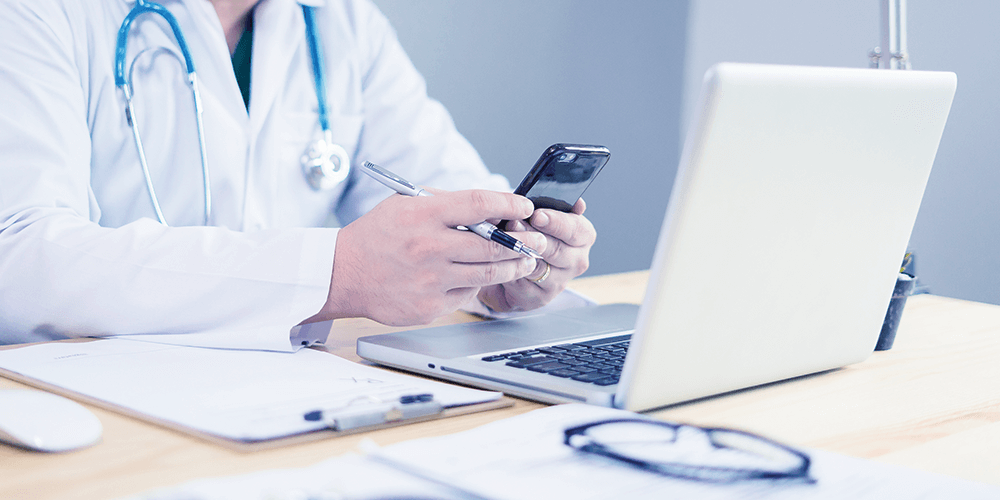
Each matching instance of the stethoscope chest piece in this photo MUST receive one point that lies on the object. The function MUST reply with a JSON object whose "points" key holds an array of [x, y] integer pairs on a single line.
{"points": [[325, 164]]}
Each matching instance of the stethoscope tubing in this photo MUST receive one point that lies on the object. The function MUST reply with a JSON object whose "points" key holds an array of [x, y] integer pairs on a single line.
{"points": [[319, 71], [147, 7], [121, 44], [121, 47]]}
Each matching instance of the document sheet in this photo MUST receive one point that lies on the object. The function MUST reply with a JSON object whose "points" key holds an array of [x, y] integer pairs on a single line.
{"points": [[528, 451], [347, 477], [524, 457], [236, 394]]}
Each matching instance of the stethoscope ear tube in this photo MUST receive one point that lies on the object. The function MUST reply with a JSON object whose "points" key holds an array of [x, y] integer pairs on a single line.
{"points": [[121, 44], [121, 47], [324, 163], [130, 115]]}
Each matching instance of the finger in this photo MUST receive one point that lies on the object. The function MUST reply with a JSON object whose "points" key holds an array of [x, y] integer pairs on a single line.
{"points": [[572, 229], [569, 261], [543, 270], [522, 294], [496, 298], [552, 249], [458, 297], [469, 247], [492, 273], [461, 208], [579, 207], [434, 191]]}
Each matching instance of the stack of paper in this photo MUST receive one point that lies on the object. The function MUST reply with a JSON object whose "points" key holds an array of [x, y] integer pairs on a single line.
{"points": [[524, 457]]}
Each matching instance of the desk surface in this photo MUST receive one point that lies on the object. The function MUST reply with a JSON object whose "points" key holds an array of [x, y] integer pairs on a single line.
{"points": [[932, 402]]}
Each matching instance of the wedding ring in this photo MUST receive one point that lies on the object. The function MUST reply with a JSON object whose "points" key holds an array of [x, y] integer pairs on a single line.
{"points": [[548, 269]]}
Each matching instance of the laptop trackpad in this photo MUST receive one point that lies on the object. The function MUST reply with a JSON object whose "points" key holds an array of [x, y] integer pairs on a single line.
{"points": [[465, 339]]}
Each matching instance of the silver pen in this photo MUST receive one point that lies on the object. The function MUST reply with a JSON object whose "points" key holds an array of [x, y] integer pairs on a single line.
{"points": [[484, 229], [364, 415]]}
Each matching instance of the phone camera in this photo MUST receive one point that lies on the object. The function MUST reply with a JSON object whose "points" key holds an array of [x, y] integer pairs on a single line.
{"points": [[567, 157]]}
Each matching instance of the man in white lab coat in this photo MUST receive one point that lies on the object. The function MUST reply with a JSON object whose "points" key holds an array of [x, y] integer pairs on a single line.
{"points": [[81, 251]]}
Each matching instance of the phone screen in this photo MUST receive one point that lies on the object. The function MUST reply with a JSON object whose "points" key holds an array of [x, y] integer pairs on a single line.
{"points": [[562, 174]]}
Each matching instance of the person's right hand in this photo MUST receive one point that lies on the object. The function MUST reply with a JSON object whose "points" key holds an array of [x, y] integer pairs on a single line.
{"points": [[404, 263]]}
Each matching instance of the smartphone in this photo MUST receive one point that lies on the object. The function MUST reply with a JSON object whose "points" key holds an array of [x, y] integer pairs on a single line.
{"points": [[562, 174]]}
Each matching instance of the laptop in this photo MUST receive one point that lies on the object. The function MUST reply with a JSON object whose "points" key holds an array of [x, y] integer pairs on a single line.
{"points": [[789, 217]]}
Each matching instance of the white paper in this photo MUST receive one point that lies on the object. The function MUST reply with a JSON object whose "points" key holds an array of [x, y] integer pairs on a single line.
{"points": [[343, 478], [242, 395], [524, 457]]}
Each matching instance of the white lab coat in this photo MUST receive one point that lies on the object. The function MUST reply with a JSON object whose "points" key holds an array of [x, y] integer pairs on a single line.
{"points": [[80, 250]]}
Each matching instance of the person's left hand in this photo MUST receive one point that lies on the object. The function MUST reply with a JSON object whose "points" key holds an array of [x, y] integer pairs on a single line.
{"points": [[566, 254]]}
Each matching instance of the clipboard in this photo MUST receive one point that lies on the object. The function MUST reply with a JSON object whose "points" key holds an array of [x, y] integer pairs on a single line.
{"points": [[22, 363]]}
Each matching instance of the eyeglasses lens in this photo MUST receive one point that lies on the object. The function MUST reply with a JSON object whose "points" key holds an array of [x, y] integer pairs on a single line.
{"points": [[691, 447]]}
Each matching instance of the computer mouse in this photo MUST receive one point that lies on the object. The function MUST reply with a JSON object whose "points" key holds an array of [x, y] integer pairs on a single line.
{"points": [[42, 421]]}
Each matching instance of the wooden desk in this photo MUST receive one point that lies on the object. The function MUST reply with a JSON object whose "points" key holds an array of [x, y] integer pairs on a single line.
{"points": [[932, 402]]}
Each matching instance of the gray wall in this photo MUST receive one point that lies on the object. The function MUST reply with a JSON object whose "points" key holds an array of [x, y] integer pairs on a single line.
{"points": [[520, 75], [957, 235]]}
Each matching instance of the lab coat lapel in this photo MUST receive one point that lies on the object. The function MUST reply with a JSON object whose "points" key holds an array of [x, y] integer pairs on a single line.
{"points": [[214, 64], [279, 31]]}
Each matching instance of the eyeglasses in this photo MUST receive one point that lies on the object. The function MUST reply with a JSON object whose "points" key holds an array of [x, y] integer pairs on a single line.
{"points": [[702, 454]]}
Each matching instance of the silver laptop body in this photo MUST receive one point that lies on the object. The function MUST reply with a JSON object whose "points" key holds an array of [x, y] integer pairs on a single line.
{"points": [[789, 217]]}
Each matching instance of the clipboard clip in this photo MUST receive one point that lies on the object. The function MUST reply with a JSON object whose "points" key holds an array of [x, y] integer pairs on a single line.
{"points": [[376, 412]]}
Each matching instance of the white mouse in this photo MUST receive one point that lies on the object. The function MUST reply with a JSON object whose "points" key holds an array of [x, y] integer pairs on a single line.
{"points": [[41, 421]]}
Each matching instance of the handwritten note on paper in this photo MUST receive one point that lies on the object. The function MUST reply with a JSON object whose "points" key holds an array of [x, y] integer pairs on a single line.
{"points": [[241, 395]]}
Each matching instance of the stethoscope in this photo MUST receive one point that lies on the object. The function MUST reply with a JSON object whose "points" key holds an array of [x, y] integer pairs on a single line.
{"points": [[324, 163]]}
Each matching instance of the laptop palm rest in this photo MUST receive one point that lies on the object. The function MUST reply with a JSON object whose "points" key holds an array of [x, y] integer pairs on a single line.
{"points": [[465, 339]]}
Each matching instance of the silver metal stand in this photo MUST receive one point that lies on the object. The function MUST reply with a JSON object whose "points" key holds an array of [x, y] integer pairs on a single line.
{"points": [[892, 53]]}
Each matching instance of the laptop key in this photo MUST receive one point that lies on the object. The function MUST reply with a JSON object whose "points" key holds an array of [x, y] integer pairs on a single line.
{"points": [[525, 362], [606, 381], [547, 367], [565, 372], [559, 356], [497, 357], [606, 341], [590, 377]]}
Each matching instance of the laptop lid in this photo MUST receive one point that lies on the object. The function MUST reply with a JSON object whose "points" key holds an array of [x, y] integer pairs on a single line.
{"points": [[789, 217], [788, 221]]}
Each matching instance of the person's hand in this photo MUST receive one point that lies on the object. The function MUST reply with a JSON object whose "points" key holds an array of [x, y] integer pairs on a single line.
{"points": [[404, 263], [566, 254]]}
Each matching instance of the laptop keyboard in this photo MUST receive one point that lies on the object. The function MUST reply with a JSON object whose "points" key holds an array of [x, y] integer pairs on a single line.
{"points": [[595, 361]]}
